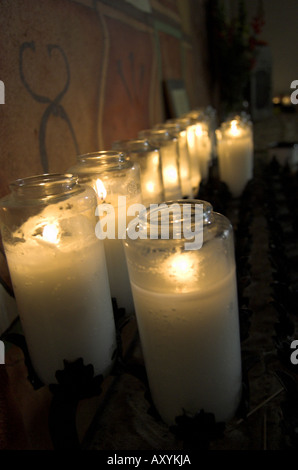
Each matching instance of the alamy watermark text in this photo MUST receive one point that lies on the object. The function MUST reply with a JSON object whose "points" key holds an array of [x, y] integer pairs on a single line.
{"points": [[2, 353], [167, 221], [294, 94], [2, 92]]}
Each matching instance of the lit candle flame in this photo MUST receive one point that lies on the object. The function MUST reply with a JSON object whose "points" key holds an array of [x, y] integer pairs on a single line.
{"points": [[182, 267], [150, 187], [191, 137], [234, 128], [171, 174], [199, 130], [286, 100], [100, 189], [155, 160], [184, 173], [51, 233]]}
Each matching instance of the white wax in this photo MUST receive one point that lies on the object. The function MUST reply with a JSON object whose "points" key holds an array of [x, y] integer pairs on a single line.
{"points": [[194, 161], [63, 296], [191, 346], [116, 261], [118, 274], [151, 179]]}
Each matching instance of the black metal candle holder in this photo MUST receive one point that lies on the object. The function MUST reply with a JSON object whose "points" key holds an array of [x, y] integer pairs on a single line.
{"points": [[75, 382]]}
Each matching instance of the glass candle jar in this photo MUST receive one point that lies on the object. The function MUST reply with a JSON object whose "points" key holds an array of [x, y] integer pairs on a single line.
{"points": [[203, 146], [190, 128], [187, 311], [209, 115], [180, 133], [169, 151], [212, 120], [148, 157], [116, 181], [235, 154], [58, 271]]}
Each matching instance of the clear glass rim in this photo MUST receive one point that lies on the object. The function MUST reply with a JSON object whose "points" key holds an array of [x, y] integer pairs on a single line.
{"points": [[141, 144], [105, 160], [175, 126], [53, 182], [207, 208], [155, 135], [119, 145], [165, 218], [184, 121]]}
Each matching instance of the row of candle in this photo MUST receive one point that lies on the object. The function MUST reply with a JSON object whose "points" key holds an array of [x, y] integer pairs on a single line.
{"points": [[174, 156], [64, 276], [187, 147]]}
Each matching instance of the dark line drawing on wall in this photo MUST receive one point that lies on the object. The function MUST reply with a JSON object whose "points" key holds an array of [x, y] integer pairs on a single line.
{"points": [[54, 107], [132, 66], [121, 74], [136, 81], [142, 76]]}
